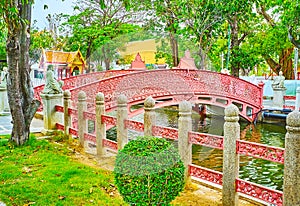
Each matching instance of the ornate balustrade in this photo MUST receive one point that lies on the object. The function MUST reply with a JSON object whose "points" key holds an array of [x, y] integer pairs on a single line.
{"points": [[207, 82], [89, 116], [134, 125], [59, 108], [37, 95], [205, 174], [257, 191], [274, 154], [73, 132], [165, 132], [241, 147], [177, 85], [110, 144], [60, 126], [77, 81], [73, 113], [207, 140], [109, 120], [90, 137]]}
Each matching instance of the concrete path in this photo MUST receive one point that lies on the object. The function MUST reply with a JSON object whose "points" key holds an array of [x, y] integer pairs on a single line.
{"points": [[6, 126]]}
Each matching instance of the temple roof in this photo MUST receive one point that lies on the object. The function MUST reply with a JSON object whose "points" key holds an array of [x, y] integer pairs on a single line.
{"points": [[59, 57], [138, 63]]}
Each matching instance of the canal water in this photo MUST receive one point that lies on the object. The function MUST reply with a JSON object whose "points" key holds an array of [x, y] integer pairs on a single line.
{"points": [[259, 171]]}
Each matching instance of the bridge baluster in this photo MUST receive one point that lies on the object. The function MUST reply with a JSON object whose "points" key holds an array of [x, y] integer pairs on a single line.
{"points": [[184, 126], [67, 117], [100, 126], [122, 115], [82, 122], [291, 180], [230, 156], [149, 116]]}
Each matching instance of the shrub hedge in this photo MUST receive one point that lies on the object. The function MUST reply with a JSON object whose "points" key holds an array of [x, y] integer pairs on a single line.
{"points": [[149, 171]]}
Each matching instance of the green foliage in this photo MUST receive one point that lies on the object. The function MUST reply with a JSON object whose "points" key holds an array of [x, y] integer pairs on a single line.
{"points": [[164, 52], [40, 40], [150, 67], [95, 29], [42, 173], [149, 171], [2, 42]]}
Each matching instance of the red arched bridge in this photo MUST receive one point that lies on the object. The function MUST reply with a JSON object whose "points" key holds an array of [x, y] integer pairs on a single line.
{"points": [[168, 87]]}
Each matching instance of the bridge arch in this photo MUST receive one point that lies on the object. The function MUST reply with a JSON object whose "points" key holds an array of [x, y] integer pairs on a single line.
{"points": [[177, 85], [170, 102]]}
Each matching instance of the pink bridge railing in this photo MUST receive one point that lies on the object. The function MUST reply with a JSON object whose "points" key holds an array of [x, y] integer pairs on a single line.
{"points": [[80, 80], [177, 85], [256, 150]]}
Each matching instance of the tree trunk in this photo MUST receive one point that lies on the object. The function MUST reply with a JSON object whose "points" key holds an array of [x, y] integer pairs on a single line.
{"points": [[234, 46], [19, 86], [106, 58], [285, 63], [88, 54], [174, 47], [202, 54]]}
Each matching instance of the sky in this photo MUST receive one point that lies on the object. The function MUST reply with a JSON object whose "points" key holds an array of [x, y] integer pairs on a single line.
{"points": [[54, 6]]}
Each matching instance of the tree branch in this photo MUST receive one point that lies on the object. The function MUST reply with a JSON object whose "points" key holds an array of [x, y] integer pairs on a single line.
{"points": [[295, 42], [267, 17], [272, 63], [243, 37]]}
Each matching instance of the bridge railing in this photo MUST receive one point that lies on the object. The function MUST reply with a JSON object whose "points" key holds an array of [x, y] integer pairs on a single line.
{"points": [[177, 84], [79, 80], [230, 143]]}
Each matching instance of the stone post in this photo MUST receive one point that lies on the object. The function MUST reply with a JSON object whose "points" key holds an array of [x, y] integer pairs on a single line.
{"points": [[67, 117], [100, 127], [291, 179], [230, 157], [184, 126], [149, 116], [50, 116], [278, 97], [122, 115], [4, 106], [297, 105], [82, 123], [261, 93]]}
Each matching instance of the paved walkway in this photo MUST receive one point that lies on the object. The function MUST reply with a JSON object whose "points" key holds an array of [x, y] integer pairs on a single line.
{"points": [[37, 125]]}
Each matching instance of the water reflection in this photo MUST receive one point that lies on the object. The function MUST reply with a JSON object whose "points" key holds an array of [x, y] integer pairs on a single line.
{"points": [[259, 171]]}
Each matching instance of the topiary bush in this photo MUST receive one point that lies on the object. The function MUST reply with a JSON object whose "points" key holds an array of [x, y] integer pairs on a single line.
{"points": [[149, 171]]}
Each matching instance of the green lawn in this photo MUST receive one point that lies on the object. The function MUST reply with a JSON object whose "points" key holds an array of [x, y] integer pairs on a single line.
{"points": [[43, 173]]}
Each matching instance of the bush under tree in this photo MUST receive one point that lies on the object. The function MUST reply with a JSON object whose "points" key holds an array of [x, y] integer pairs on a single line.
{"points": [[149, 171]]}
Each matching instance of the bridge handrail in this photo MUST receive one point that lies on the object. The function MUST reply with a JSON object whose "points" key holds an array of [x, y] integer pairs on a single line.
{"points": [[79, 80], [178, 84], [266, 152], [243, 147], [111, 145]]}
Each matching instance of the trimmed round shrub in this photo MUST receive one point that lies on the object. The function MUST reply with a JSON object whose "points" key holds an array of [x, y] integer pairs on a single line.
{"points": [[149, 171]]}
